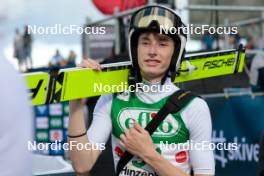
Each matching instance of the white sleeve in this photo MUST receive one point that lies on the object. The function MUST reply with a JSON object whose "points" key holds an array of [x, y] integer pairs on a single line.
{"points": [[257, 63], [16, 126], [253, 74], [198, 121], [101, 126]]}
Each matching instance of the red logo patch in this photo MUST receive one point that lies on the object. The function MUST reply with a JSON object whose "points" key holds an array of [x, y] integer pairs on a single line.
{"points": [[152, 115], [181, 157], [119, 151]]}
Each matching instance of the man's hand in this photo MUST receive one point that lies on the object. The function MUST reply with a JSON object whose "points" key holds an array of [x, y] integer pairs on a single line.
{"points": [[90, 63], [137, 141]]}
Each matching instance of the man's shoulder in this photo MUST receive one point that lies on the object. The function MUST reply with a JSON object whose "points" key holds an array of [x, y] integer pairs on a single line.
{"points": [[103, 103], [196, 114], [195, 101], [196, 104], [106, 98]]}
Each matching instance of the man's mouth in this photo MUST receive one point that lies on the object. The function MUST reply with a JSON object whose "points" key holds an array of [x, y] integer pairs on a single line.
{"points": [[152, 62]]}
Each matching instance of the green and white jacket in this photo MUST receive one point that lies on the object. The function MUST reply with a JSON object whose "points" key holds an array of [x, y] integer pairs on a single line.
{"points": [[114, 114]]}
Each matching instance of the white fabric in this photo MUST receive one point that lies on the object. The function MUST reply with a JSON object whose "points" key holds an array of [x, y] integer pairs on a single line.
{"points": [[196, 118], [16, 126], [44, 165], [257, 62]]}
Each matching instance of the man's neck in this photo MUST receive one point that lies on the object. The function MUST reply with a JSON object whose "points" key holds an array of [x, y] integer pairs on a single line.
{"points": [[152, 80]]}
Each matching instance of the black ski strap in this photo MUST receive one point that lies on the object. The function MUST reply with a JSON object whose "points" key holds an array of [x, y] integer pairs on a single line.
{"points": [[52, 84], [174, 104]]}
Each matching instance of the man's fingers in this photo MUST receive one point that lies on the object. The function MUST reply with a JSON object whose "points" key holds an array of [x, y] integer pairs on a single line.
{"points": [[127, 133], [122, 137], [94, 63], [98, 67], [138, 127], [89, 63], [85, 64], [122, 144]]}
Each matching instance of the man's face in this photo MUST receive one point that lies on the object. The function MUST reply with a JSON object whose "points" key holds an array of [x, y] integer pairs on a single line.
{"points": [[154, 55]]}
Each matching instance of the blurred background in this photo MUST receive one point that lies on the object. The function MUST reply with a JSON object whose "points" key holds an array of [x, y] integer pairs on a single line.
{"points": [[236, 101]]}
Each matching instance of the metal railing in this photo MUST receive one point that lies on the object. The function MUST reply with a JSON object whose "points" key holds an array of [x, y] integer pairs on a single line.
{"points": [[225, 8]]}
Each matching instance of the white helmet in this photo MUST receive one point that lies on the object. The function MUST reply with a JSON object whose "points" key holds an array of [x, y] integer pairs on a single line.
{"points": [[152, 18]]}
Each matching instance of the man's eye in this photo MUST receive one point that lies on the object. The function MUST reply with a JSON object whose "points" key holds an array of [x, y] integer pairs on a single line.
{"points": [[163, 44], [145, 43]]}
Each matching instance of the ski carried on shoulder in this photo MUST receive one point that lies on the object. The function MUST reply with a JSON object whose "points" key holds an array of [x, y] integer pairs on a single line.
{"points": [[60, 85]]}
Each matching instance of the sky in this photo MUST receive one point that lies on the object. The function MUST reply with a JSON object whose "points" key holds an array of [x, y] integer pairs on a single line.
{"points": [[17, 13]]}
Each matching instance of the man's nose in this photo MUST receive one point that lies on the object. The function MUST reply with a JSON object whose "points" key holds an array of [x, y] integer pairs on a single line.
{"points": [[152, 50]]}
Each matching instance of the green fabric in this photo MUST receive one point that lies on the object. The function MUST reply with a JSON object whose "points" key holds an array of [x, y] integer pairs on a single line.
{"points": [[129, 108]]}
